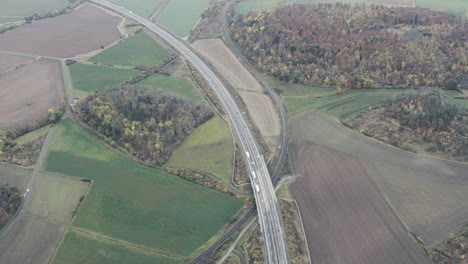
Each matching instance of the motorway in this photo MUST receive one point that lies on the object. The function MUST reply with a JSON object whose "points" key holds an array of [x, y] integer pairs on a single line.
{"points": [[265, 197]]}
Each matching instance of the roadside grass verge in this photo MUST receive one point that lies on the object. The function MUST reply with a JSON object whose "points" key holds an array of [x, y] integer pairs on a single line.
{"points": [[143, 8], [88, 78], [173, 85], [209, 147], [135, 203], [139, 49], [181, 16], [26, 138], [80, 248]]}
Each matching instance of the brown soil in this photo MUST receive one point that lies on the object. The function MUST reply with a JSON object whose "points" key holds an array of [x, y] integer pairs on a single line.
{"points": [[218, 54], [31, 240], [9, 62], [79, 32], [26, 94], [263, 113], [346, 219], [430, 195]]}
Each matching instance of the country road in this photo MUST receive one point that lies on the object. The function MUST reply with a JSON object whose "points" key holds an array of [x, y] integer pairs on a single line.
{"points": [[265, 197]]}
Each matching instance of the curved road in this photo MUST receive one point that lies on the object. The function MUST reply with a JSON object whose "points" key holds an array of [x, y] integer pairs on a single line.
{"points": [[265, 197]]}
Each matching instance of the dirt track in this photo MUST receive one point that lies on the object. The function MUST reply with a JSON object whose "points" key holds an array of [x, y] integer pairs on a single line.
{"points": [[429, 194], [9, 62], [79, 32], [345, 217], [27, 93]]}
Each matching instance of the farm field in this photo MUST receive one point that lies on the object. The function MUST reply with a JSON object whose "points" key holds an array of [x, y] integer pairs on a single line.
{"points": [[22, 8], [136, 50], [263, 113], [26, 138], [27, 93], [260, 106], [174, 85], [55, 197], [5, 20], [9, 62], [457, 6], [346, 218], [31, 240], [15, 176], [136, 204], [210, 147], [81, 248], [34, 235], [79, 32], [87, 78], [221, 57], [429, 195], [180, 19], [143, 8]]}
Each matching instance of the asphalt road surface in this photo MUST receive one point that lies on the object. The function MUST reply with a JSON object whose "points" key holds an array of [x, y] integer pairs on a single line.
{"points": [[265, 197]]}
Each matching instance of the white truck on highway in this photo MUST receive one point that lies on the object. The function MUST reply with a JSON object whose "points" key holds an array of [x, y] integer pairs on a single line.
{"points": [[257, 188], [253, 175], [247, 154]]}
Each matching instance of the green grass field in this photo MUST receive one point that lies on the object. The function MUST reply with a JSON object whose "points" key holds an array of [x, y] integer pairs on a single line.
{"points": [[209, 147], [301, 98], [88, 78], [173, 85], [26, 138], [143, 8], [134, 203], [3, 132], [181, 16], [80, 248], [4, 20], [55, 196], [457, 6], [246, 6], [139, 49], [22, 8]]}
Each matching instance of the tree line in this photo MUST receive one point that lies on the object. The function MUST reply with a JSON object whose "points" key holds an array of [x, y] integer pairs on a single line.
{"points": [[148, 123], [357, 46], [10, 200]]}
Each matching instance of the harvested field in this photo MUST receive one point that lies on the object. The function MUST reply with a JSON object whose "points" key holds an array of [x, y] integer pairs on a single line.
{"points": [[10, 62], [218, 54], [79, 32], [259, 105], [345, 217], [31, 240], [27, 93], [14, 175], [430, 195], [263, 113]]}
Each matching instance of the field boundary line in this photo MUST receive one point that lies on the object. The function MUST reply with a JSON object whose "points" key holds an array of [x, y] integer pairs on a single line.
{"points": [[136, 247], [157, 11]]}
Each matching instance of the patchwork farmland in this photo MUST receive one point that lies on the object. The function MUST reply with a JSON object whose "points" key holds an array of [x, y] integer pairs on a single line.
{"points": [[429, 195]]}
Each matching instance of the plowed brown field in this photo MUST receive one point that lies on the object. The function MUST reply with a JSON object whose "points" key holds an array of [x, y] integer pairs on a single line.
{"points": [[263, 113], [79, 32], [9, 61], [27, 93], [345, 217], [430, 195]]}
